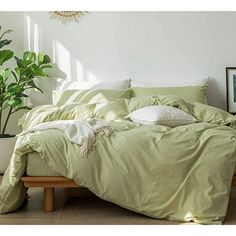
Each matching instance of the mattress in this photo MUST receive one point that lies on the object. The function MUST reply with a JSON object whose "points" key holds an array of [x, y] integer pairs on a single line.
{"points": [[36, 166]]}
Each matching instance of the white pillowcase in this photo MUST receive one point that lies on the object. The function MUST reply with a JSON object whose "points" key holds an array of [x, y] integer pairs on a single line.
{"points": [[161, 115], [116, 84], [119, 84]]}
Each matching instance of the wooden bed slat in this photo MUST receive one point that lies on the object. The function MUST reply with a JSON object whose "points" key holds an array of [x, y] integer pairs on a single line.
{"points": [[48, 181]]}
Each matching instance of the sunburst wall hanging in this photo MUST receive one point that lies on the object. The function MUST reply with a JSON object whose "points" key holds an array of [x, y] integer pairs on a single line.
{"points": [[67, 16]]}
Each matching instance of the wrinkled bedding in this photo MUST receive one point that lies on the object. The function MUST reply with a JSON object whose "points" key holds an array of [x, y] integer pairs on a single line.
{"points": [[181, 173]]}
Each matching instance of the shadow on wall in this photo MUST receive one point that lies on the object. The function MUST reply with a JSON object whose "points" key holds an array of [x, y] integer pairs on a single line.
{"points": [[66, 66], [142, 46]]}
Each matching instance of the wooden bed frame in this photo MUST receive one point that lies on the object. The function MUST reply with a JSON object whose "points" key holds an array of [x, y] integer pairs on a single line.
{"points": [[50, 183]]}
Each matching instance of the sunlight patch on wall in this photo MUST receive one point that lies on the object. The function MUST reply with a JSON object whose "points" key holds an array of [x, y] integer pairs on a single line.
{"points": [[63, 58], [28, 24], [68, 72], [36, 38]]}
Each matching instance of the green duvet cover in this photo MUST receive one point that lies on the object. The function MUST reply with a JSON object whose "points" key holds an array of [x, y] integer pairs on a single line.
{"points": [[181, 173]]}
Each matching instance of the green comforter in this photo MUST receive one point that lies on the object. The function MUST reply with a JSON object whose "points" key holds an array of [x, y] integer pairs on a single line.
{"points": [[181, 173]]}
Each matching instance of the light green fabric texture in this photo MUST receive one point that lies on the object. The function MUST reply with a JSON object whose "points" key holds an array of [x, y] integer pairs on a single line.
{"points": [[111, 111], [46, 113], [136, 103], [182, 174], [188, 93], [89, 96]]}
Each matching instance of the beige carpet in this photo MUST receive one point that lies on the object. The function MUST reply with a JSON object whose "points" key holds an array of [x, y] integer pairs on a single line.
{"points": [[86, 209]]}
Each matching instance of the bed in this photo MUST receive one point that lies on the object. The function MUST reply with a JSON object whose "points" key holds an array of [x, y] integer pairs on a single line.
{"points": [[132, 167], [38, 174]]}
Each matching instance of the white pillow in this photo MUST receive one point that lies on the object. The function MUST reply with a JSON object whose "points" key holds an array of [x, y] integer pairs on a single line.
{"points": [[119, 84], [116, 84], [171, 82], [161, 115]]}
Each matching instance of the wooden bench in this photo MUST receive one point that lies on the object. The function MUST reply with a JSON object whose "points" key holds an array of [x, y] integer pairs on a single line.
{"points": [[50, 183]]}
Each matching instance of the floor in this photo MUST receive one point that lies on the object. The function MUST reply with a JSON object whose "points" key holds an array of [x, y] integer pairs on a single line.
{"points": [[78, 206]]}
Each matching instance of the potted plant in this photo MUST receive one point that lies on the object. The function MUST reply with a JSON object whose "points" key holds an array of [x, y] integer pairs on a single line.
{"points": [[14, 81]]}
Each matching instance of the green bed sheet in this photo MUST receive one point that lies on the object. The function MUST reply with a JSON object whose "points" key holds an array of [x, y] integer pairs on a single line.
{"points": [[181, 173], [36, 166]]}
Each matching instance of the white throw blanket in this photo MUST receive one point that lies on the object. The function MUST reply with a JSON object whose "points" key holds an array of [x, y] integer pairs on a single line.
{"points": [[77, 131]]}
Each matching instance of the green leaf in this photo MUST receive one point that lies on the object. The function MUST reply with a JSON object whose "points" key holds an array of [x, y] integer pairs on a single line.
{"points": [[14, 89], [4, 42], [18, 61], [40, 58], [15, 103], [29, 56], [5, 55], [18, 70], [37, 71], [5, 74], [46, 59], [5, 32], [33, 85], [22, 95], [46, 66]]}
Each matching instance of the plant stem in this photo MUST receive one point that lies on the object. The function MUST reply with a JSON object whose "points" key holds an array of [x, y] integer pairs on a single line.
{"points": [[7, 119]]}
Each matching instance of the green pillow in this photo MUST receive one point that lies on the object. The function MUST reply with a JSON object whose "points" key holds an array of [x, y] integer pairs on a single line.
{"points": [[48, 113], [189, 93], [76, 111], [88, 96], [111, 111], [136, 103], [209, 114]]}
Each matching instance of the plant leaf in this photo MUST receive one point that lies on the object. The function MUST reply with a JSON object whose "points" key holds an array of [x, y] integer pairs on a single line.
{"points": [[4, 42], [14, 89], [37, 71], [46, 59], [33, 85], [5, 55], [29, 56], [18, 61], [5, 32], [46, 66], [22, 95], [15, 103], [40, 58], [5, 74]]}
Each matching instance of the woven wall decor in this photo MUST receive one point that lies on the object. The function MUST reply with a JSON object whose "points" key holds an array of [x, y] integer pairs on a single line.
{"points": [[67, 16]]}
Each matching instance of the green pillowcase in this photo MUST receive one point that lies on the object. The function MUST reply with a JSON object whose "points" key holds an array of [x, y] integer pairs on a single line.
{"points": [[189, 93], [88, 96], [111, 111], [76, 111], [136, 103], [209, 114], [48, 113]]}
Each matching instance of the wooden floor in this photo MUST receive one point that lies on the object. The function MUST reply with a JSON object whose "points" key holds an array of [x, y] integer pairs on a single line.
{"points": [[78, 206]]}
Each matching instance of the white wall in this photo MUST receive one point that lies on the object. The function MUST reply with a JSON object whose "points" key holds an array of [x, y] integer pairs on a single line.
{"points": [[138, 45]]}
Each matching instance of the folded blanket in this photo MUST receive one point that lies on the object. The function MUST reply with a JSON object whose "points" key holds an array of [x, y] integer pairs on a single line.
{"points": [[77, 131]]}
